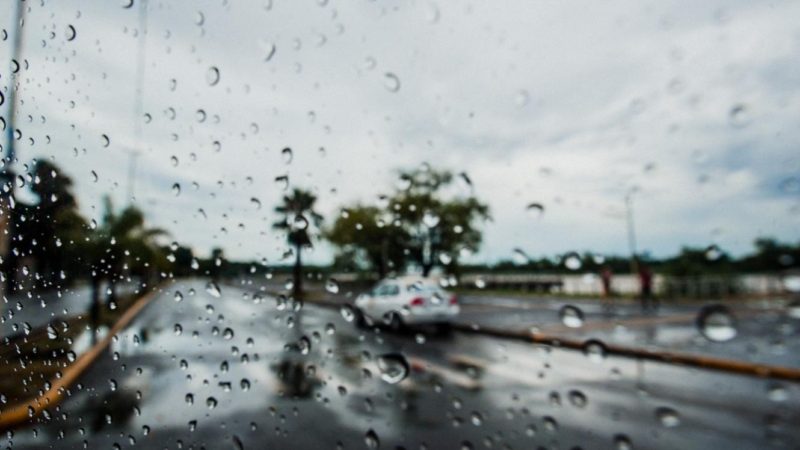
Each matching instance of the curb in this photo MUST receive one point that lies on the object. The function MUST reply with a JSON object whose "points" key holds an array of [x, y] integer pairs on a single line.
{"points": [[31, 408], [666, 357]]}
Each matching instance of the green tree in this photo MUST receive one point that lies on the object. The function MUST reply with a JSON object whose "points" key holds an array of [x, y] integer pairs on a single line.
{"points": [[424, 224], [297, 209], [53, 227], [123, 243], [367, 236], [771, 255], [440, 228]]}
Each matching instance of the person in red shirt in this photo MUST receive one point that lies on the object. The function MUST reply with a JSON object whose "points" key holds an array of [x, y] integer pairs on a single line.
{"points": [[646, 283], [605, 278]]}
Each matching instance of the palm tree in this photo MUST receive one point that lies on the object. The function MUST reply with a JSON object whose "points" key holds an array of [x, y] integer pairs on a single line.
{"points": [[121, 243], [297, 208]]}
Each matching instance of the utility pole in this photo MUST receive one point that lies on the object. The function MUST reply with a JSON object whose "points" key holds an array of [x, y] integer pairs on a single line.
{"points": [[138, 99], [140, 69], [132, 157], [7, 174], [631, 230]]}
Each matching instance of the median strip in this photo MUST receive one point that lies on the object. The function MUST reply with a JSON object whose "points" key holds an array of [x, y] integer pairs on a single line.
{"points": [[667, 357]]}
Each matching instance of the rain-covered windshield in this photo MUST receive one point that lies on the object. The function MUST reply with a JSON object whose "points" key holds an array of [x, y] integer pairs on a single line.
{"points": [[399, 224]]}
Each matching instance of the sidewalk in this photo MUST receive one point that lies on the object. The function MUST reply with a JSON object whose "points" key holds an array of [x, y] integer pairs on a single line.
{"points": [[38, 365]]}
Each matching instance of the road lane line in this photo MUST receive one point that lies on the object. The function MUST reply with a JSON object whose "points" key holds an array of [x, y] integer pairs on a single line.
{"points": [[29, 409]]}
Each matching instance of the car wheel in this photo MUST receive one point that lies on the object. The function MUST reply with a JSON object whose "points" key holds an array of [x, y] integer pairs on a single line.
{"points": [[396, 323], [360, 319]]}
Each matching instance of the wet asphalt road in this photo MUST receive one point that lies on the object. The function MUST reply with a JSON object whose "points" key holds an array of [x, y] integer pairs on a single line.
{"points": [[236, 371]]}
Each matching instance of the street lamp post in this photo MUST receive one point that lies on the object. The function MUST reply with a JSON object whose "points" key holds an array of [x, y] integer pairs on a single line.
{"points": [[7, 174], [631, 229]]}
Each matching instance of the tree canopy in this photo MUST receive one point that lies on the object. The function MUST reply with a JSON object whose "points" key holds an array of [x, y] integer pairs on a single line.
{"points": [[422, 223]]}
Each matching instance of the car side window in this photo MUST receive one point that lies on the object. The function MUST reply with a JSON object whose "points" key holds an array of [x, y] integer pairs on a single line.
{"points": [[386, 290]]}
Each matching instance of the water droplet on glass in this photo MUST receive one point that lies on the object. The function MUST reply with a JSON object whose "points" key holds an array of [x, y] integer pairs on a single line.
{"points": [[573, 261], [176, 189], [332, 286], [269, 49], [668, 417], [519, 256], [535, 210], [348, 313], [304, 345], [594, 350], [394, 367], [739, 116], [282, 181], [430, 219], [577, 399], [237, 443], [713, 252], [793, 309], [286, 155], [299, 222], [371, 439], [212, 76], [571, 316], [213, 289], [622, 442], [51, 332], [71, 33], [716, 323], [777, 393], [476, 418], [391, 82]]}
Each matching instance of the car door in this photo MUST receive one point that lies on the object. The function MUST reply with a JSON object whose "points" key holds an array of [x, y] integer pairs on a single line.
{"points": [[392, 299]]}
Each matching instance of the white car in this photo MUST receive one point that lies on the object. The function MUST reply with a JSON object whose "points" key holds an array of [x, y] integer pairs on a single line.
{"points": [[409, 300]]}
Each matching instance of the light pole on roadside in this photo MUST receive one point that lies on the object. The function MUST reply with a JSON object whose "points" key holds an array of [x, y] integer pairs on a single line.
{"points": [[133, 155], [631, 229], [7, 173]]}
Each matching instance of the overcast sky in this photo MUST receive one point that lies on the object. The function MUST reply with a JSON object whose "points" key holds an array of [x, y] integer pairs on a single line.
{"points": [[568, 104]]}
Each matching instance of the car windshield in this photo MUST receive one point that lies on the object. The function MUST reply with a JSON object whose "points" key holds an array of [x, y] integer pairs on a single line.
{"points": [[399, 224]]}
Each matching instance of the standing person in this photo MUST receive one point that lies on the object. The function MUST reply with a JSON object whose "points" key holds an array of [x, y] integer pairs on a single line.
{"points": [[646, 283], [605, 280]]}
